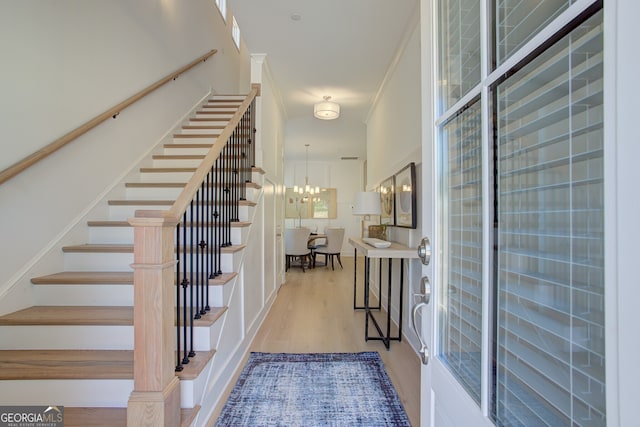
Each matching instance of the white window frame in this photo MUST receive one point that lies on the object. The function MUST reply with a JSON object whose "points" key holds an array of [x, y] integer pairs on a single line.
{"points": [[235, 32], [222, 7]]}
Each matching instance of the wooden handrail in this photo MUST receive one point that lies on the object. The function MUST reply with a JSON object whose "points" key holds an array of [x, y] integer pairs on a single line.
{"points": [[42, 153]]}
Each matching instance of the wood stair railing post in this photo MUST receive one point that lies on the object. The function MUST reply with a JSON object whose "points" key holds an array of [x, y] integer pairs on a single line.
{"points": [[155, 399]]}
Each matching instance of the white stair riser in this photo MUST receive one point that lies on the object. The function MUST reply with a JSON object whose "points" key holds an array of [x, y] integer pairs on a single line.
{"points": [[186, 151], [80, 261], [90, 337], [66, 337], [124, 235], [125, 212], [176, 163], [153, 193], [111, 235], [165, 176], [207, 121], [72, 393], [105, 295], [204, 131], [191, 391], [169, 193], [202, 114], [82, 295], [82, 393], [192, 140]]}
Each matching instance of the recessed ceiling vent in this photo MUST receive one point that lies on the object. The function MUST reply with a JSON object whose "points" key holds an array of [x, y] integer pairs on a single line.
{"points": [[349, 158]]}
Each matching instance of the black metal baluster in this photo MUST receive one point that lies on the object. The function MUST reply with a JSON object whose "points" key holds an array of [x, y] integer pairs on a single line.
{"points": [[227, 196], [203, 248], [217, 215], [185, 285], [195, 247], [210, 274], [234, 175], [243, 157], [179, 366], [252, 150], [191, 275]]}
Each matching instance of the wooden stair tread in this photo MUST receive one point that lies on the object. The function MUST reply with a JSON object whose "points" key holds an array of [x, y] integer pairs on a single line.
{"points": [[82, 364], [66, 364], [162, 203], [167, 170], [222, 279], [196, 364], [113, 417], [176, 185], [188, 145], [88, 316], [214, 112], [178, 156], [99, 248], [85, 278], [177, 170], [107, 223], [107, 277], [196, 135], [70, 315], [208, 119], [95, 417], [202, 127]]}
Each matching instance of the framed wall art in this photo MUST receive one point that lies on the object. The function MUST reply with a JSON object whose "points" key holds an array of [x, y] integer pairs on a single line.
{"points": [[405, 196], [387, 201]]}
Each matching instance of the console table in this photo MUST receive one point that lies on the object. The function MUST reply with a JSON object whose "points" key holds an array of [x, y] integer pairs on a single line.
{"points": [[395, 251]]}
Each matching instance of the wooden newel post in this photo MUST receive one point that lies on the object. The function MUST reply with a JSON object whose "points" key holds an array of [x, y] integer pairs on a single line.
{"points": [[155, 400]]}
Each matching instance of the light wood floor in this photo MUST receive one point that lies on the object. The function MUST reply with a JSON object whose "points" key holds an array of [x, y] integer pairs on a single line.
{"points": [[313, 313]]}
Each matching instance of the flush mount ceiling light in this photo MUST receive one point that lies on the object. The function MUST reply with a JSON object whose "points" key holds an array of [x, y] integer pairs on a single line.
{"points": [[326, 110]]}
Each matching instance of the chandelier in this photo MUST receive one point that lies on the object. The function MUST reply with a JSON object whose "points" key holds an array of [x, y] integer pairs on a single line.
{"points": [[307, 190]]}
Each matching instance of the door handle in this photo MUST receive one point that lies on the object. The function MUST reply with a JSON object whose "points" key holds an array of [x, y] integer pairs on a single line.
{"points": [[424, 251], [425, 297]]}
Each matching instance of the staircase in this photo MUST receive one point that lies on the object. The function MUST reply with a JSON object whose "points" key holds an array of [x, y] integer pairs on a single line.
{"points": [[74, 346]]}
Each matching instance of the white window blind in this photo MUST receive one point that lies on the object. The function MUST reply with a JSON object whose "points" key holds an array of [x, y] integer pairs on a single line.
{"points": [[550, 278], [459, 50], [461, 298], [517, 21]]}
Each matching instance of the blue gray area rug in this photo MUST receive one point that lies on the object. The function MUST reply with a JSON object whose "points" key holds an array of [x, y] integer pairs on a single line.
{"points": [[316, 389]]}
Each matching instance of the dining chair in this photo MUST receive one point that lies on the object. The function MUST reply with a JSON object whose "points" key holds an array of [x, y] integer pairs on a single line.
{"points": [[295, 246], [332, 248]]}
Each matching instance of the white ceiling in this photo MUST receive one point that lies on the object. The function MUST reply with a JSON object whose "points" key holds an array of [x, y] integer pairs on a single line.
{"points": [[340, 48]]}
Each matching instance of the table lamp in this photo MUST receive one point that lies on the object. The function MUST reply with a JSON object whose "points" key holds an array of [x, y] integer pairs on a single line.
{"points": [[366, 203]]}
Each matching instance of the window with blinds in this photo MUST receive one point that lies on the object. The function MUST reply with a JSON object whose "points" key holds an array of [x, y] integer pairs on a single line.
{"points": [[461, 300], [517, 21], [545, 139], [550, 276], [459, 50]]}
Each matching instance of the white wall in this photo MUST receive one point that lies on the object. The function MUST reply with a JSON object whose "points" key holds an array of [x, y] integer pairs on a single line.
{"points": [[270, 125], [393, 141], [67, 61]]}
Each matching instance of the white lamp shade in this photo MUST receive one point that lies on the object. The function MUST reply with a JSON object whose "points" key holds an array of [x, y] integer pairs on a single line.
{"points": [[326, 110], [367, 203]]}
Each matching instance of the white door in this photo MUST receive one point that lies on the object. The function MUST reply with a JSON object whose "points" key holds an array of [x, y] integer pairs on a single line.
{"points": [[514, 180]]}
